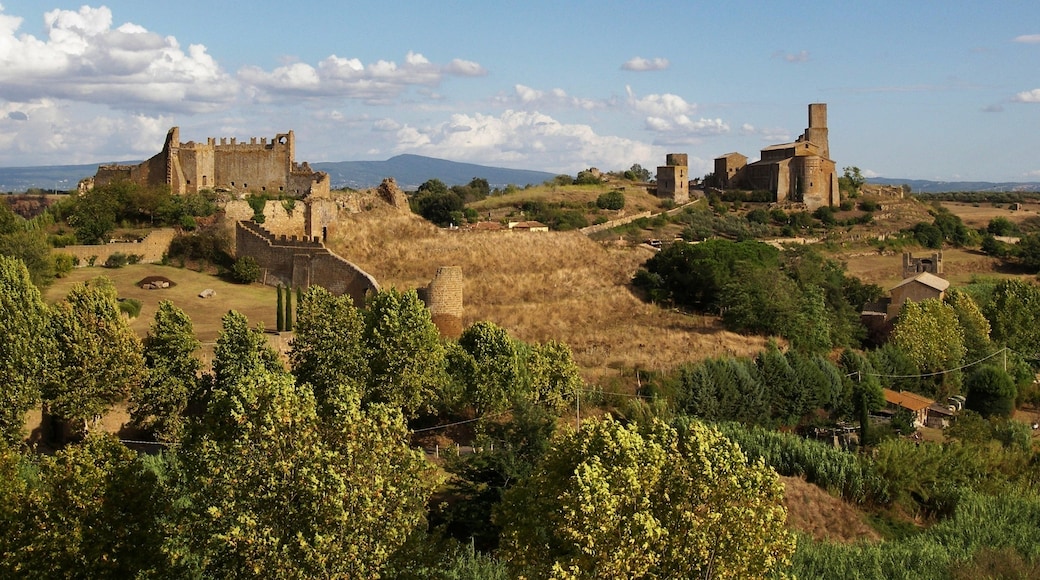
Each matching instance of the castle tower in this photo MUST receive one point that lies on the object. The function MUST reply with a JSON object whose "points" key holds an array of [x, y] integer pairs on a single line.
{"points": [[817, 131], [443, 297]]}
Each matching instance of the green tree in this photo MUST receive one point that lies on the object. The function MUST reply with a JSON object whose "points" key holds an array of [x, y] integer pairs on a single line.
{"points": [[1028, 251], [489, 367], [1012, 313], [971, 320], [26, 349], [96, 213], [851, 181], [867, 393], [613, 200], [241, 350], [991, 391], [99, 360], [246, 270], [554, 379], [928, 331], [405, 355], [612, 501], [328, 350], [173, 374], [1001, 226], [88, 511], [280, 315], [280, 493]]}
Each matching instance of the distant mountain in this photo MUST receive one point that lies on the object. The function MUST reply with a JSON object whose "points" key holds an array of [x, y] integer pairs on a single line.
{"points": [[410, 171], [926, 186]]}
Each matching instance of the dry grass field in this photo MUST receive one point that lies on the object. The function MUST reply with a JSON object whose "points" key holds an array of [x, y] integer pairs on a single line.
{"points": [[541, 286]]}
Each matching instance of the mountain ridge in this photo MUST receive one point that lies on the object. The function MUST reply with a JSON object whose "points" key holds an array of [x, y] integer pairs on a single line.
{"points": [[408, 170]]}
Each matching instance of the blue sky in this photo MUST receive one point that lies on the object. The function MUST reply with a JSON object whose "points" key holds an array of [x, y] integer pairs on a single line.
{"points": [[915, 90]]}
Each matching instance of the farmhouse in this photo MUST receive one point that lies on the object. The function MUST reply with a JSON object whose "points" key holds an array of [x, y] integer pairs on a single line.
{"points": [[916, 404]]}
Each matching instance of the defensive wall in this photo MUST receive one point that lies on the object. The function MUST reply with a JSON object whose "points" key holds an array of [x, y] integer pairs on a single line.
{"points": [[150, 248], [301, 262]]}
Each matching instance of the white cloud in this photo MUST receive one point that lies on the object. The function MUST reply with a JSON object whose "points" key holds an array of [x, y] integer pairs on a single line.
{"points": [[1028, 38], [662, 105], [521, 139], [46, 132], [1032, 174], [640, 64], [530, 98], [1032, 96], [800, 56], [82, 58], [378, 82]]}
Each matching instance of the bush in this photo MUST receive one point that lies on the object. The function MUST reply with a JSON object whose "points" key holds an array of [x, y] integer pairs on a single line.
{"points": [[869, 205], [613, 200], [130, 306], [117, 260], [63, 264], [246, 270]]}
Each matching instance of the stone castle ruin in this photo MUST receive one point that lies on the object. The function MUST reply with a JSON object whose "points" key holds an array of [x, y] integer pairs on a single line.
{"points": [[290, 245], [256, 167], [673, 178], [801, 171]]}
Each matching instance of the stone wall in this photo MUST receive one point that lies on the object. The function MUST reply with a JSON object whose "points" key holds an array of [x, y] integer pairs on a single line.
{"points": [[301, 262], [615, 223], [151, 248]]}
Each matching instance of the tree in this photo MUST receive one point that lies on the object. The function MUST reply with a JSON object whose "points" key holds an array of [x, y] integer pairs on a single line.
{"points": [[929, 333], [99, 360], [489, 366], [975, 326], [851, 181], [280, 313], [1001, 226], [991, 391], [615, 501], [241, 350], [173, 374], [269, 486], [26, 349], [246, 270], [1028, 250], [88, 511], [405, 355], [613, 200], [328, 350], [1012, 314], [867, 394]]}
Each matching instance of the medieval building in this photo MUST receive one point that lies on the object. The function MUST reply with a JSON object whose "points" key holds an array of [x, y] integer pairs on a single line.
{"points": [[801, 171], [673, 178], [255, 167]]}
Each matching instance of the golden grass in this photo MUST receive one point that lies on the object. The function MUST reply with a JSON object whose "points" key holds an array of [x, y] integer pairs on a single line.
{"points": [[541, 286], [813, 511]]}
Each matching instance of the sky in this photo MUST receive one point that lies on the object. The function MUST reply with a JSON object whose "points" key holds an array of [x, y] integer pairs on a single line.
{"points": [[941, 90]]}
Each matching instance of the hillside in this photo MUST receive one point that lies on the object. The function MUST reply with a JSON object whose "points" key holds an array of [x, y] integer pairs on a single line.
{"points": [[542, 286]]}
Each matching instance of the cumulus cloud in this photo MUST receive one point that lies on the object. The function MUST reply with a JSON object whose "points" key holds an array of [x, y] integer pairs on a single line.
{"points": [[530, 98], [51, 132], [670, 116], [662, 105], [1028, 38], [83, 58], [521, 139], [1032, 96], [640, 64], [380, 81], [800, 56]]}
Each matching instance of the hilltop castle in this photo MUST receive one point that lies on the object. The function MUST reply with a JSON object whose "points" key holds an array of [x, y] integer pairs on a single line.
{"points": [[801, 171], [267, 166]]}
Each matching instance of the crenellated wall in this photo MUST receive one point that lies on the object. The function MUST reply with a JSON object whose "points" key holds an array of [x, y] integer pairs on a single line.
{"points": [[301, 262]]}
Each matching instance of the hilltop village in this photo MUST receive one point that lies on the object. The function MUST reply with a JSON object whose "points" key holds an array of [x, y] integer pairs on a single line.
{"points": [[217, 363]]}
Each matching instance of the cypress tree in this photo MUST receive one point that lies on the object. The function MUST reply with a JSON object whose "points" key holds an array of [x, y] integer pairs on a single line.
{"points": [[281, 313], [288, 309]]}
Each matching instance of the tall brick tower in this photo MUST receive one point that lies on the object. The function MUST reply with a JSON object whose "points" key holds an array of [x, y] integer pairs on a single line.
{"points": [[817, 131]]}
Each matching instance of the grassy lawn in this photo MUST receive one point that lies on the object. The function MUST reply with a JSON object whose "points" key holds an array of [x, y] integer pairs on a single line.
{"points": [[255, 301]]}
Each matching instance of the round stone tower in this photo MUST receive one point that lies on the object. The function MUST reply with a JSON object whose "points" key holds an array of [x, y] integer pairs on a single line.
{"points": [[443, 297]]}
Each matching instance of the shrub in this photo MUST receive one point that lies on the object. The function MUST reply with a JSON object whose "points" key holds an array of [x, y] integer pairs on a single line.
{"points": [[117, 260], [63, 264], [246, 270], [130, 306], [868, 205], [614, 200]]}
